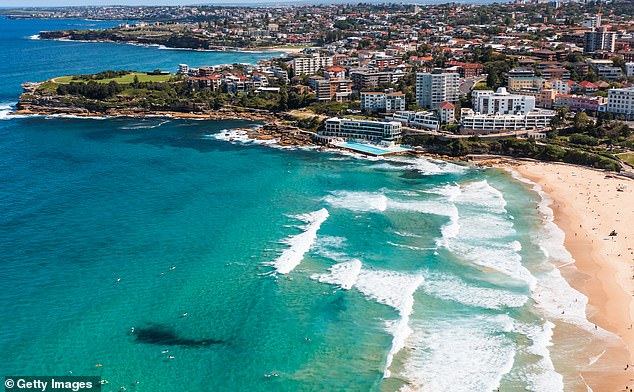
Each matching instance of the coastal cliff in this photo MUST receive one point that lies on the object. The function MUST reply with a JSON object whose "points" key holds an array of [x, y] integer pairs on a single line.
{"points": [[101, 96]]}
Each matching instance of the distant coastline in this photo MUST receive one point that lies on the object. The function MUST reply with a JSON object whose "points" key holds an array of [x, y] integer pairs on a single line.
{"points": [[170, 42]]}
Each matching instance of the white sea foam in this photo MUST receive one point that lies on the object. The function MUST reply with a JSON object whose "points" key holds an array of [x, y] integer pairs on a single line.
{"points": [[5, 109], [238, 136], [409, 246], [404, 234], [358, 201], [76, 117], [482, 194], [380, 202], [144, 126], [397, 291], [300, 244], [343, 274], [540, 376], [451, 288], [459, 354], [552, 293], [480, 232], [34, 37], [422, 164]]}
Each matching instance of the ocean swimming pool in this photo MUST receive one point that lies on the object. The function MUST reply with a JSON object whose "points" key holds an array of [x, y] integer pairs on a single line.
{"points": [[370, 149]]}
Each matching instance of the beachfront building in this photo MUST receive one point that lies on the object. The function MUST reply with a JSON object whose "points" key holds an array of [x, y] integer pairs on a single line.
{"points": [[374, 131], [310, 65], [621, 102], [501, 102], [435, 87], [473, 123], [424, 120], [447, 112], [387, 102], [183, 69]]}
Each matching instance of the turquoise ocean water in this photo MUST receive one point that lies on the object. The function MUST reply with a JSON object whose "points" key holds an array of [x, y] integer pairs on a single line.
{"points": [[258, 268]]}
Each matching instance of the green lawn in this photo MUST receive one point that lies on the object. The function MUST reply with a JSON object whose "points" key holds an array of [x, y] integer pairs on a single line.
{"points": [[125, 79], [627, 157]]}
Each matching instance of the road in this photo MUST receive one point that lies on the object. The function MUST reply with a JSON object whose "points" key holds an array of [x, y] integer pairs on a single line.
{"points": [[468, 83]]}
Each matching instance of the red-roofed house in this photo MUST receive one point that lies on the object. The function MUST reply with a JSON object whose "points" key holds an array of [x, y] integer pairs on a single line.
{"points": [[447, 112], [587, 87]]}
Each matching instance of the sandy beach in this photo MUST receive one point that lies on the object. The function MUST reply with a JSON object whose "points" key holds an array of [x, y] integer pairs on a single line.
{"points": [[588, 205]]}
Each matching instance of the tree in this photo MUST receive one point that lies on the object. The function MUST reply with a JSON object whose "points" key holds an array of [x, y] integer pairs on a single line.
{"points": [[581, 123]]}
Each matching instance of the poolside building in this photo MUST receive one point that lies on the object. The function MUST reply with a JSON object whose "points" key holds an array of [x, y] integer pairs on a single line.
{"points": [[354, 129]]}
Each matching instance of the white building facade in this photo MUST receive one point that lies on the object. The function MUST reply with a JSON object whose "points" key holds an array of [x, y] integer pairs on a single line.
{"points": [[479, 123], [310, 65], [436, 87], [501, 102], [374, 131], [621, 102]]}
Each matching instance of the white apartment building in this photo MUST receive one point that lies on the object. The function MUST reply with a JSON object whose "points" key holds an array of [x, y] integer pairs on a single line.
{"points": [[561, 86], [374, 131], [436, 87], [501, 102], [591, 21], [480, 123], [621, 102], [425, 120], [629, 69], [310, 65], [382, 102]]}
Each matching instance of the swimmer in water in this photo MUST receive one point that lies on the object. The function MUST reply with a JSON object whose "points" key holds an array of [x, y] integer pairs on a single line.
{"points": [[165, 351]]}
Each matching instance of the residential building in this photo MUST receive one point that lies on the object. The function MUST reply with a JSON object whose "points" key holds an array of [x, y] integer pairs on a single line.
{"points": [[335, 73], [437, 86], [521, 72], [183, 69], [556, 73], [310, 65], [425, 120], [525, 83], [447, 113], [374, 131], [621, 102], [363, 78], [501, 102], [579, 102], [629, 69], [480, 123], [467, 70], [546, 98], [600, 39], [561, 86], [329, 89], [610, 73], [382, 101], [591, 21]]}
